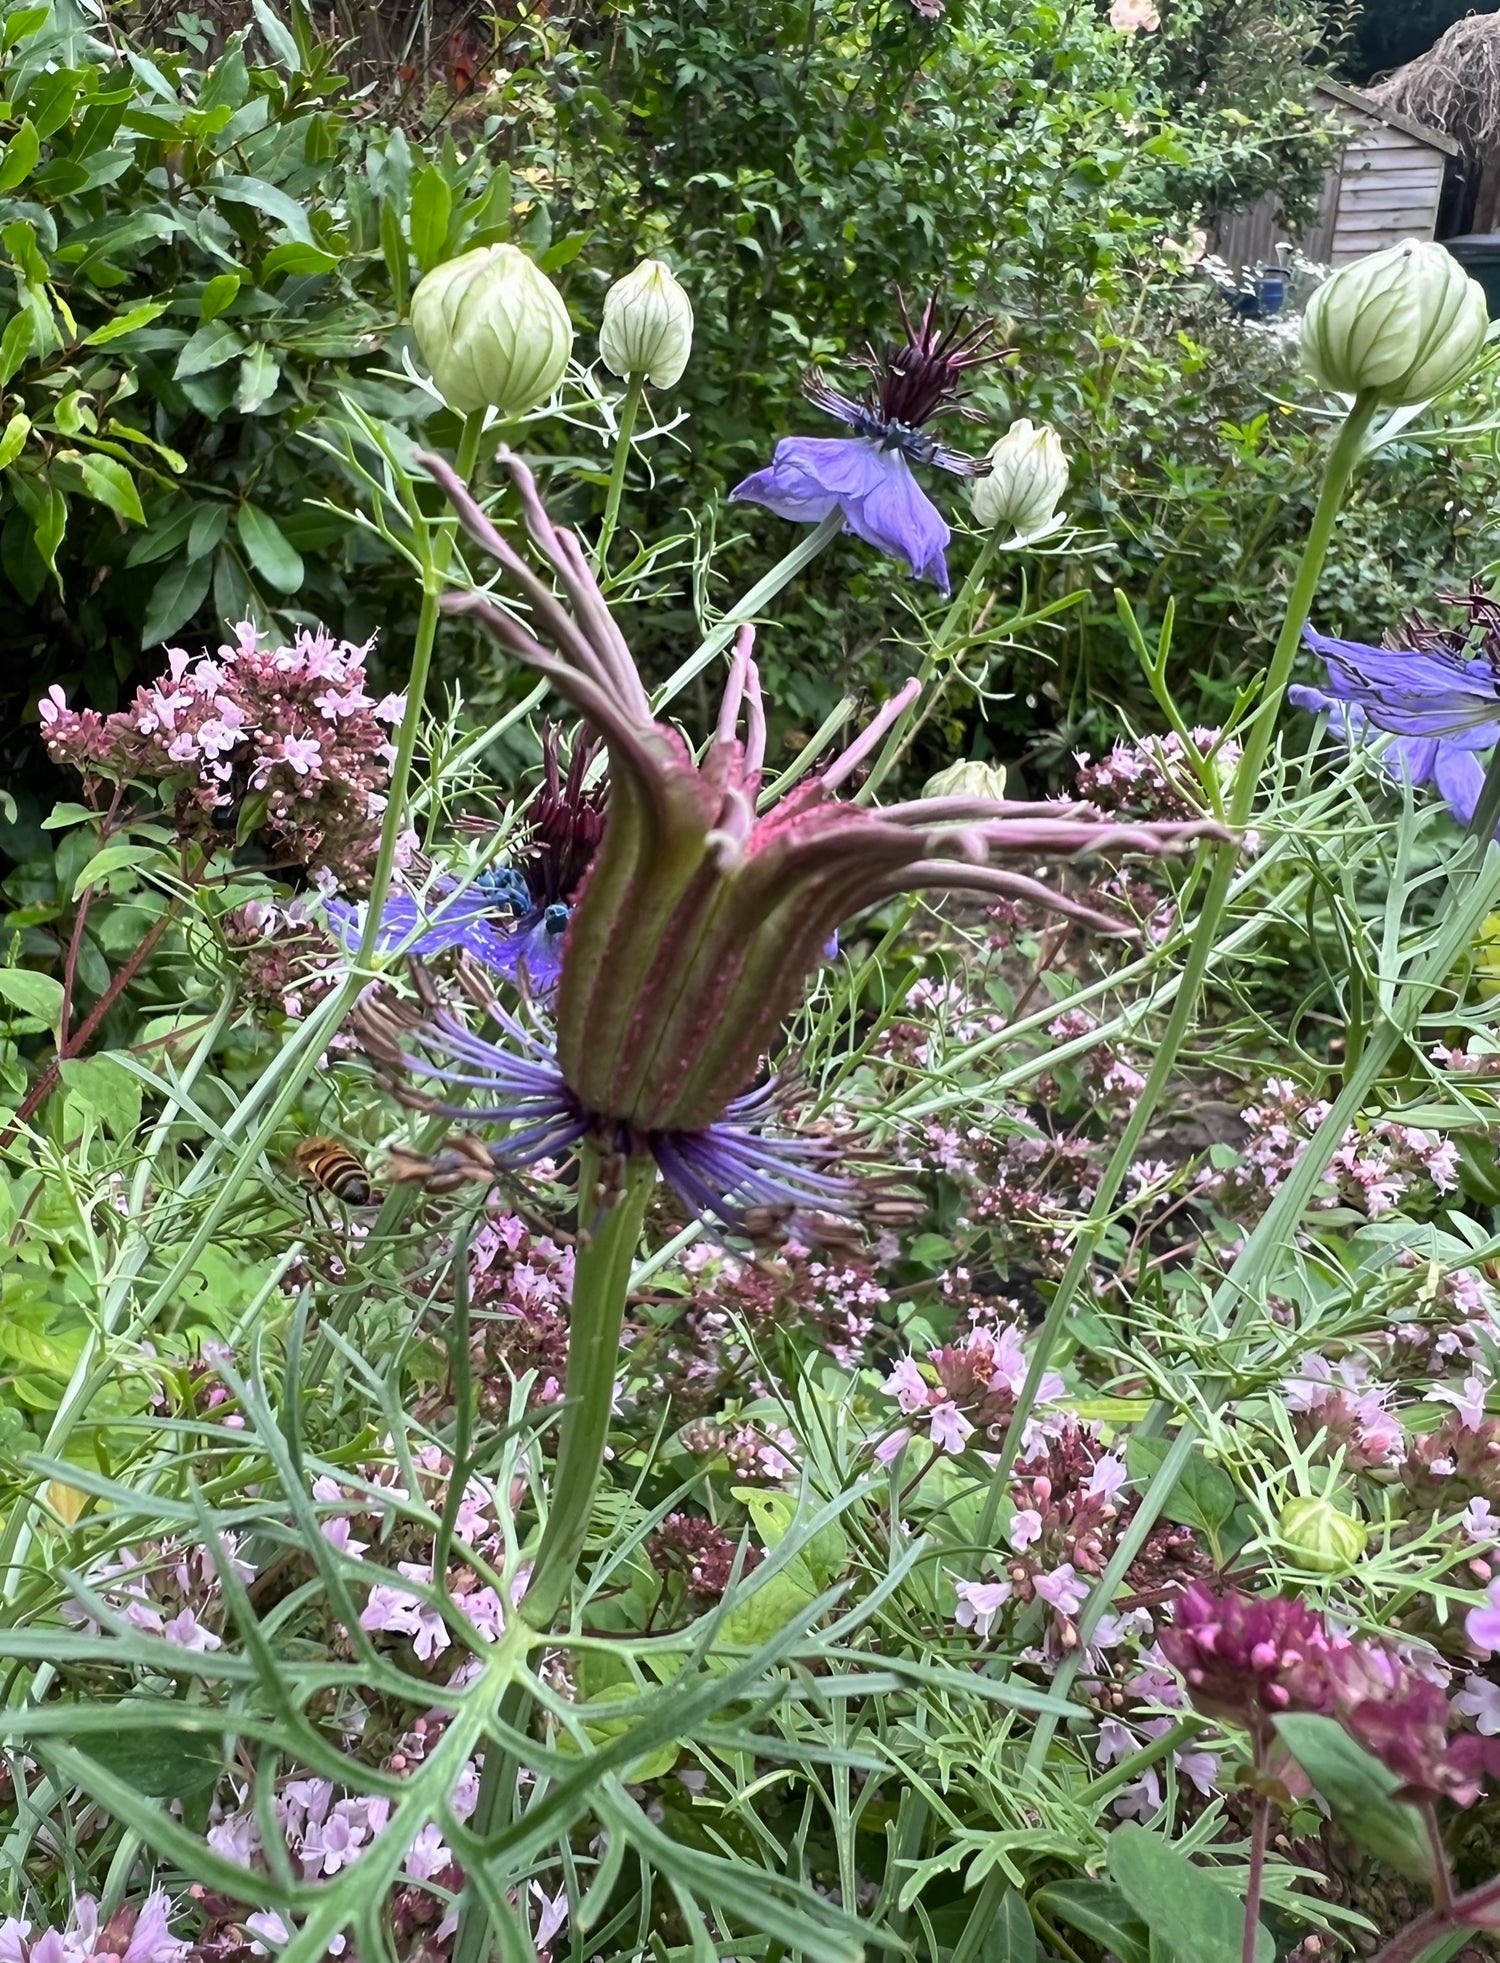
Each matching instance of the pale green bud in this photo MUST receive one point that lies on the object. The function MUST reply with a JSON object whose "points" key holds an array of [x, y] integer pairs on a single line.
{"points": [[967, 778], [648, 326], [493, 330], [1403, 325], [1028, 475], [1320, 1536]]}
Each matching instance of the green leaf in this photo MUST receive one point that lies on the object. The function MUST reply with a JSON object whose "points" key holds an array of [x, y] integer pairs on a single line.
{"points": [[563, 251], [267, 198], [20, 156], [1359, 1789], [267, 549], [126, 323], [214, 343], [221, 291], [278, 39], [260, 372], [36, 1349], [33, 994], [210, 523], [1098, 1910], [110, 859], [15, 344], [175, 598], [1204, 1497], [108, 482], [431, 206], [154, 1759], [104, 1087], [48, 528], [24, 21], [296, 256], [397, 265], [1010, 1938], [13, 441], [1198, 1917]]}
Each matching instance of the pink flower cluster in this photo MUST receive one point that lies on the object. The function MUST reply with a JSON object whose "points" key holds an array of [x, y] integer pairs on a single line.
{"points": [[1249, 1659], [287, 963], [1351, 1411], [1374, 1169], [1151, 776], [291, 726], [971, 1392], [171, 1592], [702, 1553], [521, 1283], [129, 1936]]}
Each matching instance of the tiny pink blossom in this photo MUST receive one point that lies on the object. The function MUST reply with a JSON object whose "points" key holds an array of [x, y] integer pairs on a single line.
{"points": [[950, 1429], [1025, 1527], [979, 1602], [1482, 1626], [1063, 1588]]}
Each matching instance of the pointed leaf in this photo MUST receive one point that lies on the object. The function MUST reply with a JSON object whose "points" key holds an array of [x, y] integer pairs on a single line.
{"points": [[1359, 1789], [1197, 1916], [108, 482], [267, 549], [175, 598]]}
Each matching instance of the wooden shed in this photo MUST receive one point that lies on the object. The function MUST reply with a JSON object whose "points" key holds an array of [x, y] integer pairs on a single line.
{"points": [[1387, 186]]}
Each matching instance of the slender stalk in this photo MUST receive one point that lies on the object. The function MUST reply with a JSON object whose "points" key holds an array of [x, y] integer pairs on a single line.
{"points": [[1260, 1833], [754, 602], [1341, 463], [902, 730], [629, 409], [601, 1284], [439, 552], [601, 1281], [1481, 826]]}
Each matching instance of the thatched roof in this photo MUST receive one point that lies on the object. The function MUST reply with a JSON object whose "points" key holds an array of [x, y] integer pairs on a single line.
{"points": [[1454, 87]]}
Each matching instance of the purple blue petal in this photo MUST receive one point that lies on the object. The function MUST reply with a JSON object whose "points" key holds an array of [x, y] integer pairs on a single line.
{"points": [[1416, 693], [810, 477]]}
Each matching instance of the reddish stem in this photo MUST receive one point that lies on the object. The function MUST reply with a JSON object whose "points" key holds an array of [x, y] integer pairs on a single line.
{"points": [[1418, 1936], [1260, 1833]]}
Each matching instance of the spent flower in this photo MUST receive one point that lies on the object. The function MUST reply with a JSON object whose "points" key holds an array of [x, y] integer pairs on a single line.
{"points": [[701, 917]]}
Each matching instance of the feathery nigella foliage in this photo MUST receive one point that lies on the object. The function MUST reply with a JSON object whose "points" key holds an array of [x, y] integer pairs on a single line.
{"points": [[700, 919]]}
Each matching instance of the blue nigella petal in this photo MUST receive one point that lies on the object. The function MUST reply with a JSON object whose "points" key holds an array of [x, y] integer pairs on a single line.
{"points": [[1415, 693], [526, 950], [1452, 768], [810, 477], [734, 1171]]}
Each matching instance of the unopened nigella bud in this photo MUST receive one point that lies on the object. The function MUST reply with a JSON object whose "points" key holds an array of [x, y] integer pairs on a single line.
{"points": [[648, 326], [1403, 325], [968, 778], [1028, 475], [493, 330], [1321, 1537]]}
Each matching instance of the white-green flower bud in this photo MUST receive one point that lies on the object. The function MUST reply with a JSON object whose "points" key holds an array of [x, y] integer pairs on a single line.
{"points": [[493, 330], [1322, 1537], [967, 778], [648, 326], [1028, 475], [1403, 325]]}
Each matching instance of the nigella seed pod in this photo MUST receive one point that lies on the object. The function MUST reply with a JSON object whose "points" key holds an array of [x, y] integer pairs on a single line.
{"points": [[493, 330], [1027, 477], [967, 778], [648, 326], [1403, 325], [1323, 1539]]}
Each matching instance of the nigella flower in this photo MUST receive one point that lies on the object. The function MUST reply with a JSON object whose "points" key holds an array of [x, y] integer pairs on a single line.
{"points": [[511, 919], [867, 476], [1453, 770], [700, 919]]}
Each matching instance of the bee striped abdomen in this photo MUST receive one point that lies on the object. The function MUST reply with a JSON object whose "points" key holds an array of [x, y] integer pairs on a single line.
{"points": [[330, 1166]]}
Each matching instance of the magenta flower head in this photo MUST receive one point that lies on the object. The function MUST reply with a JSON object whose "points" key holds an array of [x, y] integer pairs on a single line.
{"points": [[700, 919], [1249, 1659], [867, 476]]}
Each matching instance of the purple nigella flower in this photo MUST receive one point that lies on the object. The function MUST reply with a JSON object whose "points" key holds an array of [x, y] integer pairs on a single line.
{"points": [[1433, 692], [511, 919], [867, 476], [1451, 768], [700, 918]]}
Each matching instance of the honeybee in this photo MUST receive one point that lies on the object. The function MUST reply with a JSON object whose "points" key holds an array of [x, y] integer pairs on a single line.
{"points": [[330, 1167]]}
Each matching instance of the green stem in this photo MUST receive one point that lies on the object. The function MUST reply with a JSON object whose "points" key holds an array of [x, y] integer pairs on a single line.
{"points": [[601, 1281], [902, 731], [754, 602], [436, 565], [1341, 463], [629, 409], [1487, 811]]}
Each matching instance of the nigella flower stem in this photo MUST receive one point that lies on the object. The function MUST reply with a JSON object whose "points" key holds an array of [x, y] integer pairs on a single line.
{"points": [[1340, 468], [903, 731], [629, 409], [439, 550], [601, 1281], [746, 609], [1487, 811]]}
